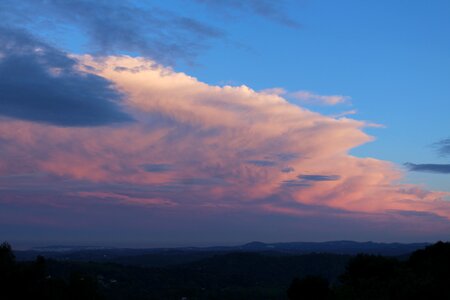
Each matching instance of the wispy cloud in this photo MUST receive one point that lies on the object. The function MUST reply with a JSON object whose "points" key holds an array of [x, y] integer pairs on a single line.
{"points": [[319, 177], [272, 10], [126, 199], [443, 147], [113, 27], [312, 98], [306, 97], [296, 183], [430, 168], [262, 163], [287, 170], [157, 168], [274, 91], [345, 113]]}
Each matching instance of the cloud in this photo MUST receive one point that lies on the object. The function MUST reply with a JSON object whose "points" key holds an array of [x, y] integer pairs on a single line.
{"points": [[286, 156], [443, 147], [295, 183], [113, 27], [431, 168], [40, 83], [306, 97], [126, 199], [319, 177], [311, 98], [345, 113], [157, 168], [287, 170], [262, 163], [228, 145], [202, 181], [306, 180], [272, 10], [277, 91]]}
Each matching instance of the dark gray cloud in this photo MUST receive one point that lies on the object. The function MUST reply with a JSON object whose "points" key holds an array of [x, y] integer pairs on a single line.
{"points": [[430, 168], [262, 163], [420, 214], [286, 156], [114, 26], [316, 177], [157, 168], [40, 83], [287, 170], [270, 9], [202, 181], [443, 147], [295, 183], [306, 180]]}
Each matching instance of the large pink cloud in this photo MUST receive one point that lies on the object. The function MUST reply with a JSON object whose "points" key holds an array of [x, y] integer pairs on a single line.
{"points": [[197, 145]]}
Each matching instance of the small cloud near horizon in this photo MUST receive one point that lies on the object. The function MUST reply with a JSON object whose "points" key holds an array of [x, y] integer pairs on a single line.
{"points": [[429, 168], [443, 147]]}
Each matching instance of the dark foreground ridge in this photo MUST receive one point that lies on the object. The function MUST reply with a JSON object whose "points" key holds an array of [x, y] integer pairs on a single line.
{"points": [[244, 274]]}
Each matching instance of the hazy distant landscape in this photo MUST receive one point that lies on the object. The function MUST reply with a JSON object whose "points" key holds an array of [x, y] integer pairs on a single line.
{"points": [[155, 256], [331, 270]]}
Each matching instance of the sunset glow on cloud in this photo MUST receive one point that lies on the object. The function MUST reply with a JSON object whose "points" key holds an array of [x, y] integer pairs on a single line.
{"points": [[108, 126], [222, 146]]}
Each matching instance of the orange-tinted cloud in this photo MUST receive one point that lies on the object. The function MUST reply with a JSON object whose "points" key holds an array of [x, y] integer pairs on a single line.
{"points": [[198, 145]]}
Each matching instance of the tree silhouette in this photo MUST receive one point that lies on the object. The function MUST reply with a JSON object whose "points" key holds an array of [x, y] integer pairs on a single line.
{"points": [[7, 258], [425, 275], [309, 288], [30, 280], [7, 270]]}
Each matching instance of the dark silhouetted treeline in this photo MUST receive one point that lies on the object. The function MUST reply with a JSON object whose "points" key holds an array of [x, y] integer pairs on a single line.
{"points": [[425, 274], [31, 280]]}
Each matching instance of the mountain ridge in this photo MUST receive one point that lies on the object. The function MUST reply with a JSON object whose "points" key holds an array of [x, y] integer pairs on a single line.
{"points": [[95, 253]]}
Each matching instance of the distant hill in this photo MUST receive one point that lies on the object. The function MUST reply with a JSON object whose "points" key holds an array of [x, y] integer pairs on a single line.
{"points": [[337, 247], [158, 257]]}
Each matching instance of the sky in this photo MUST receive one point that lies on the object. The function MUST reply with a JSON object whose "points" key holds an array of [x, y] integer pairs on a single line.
{"points": [[201, 122]]}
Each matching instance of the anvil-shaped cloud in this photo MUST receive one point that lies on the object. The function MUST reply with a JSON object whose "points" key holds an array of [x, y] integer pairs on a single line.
{"points": [[197, 145]]}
